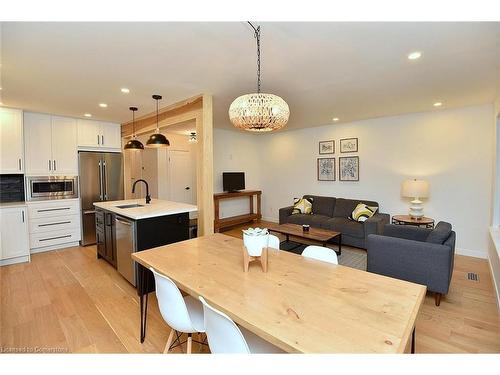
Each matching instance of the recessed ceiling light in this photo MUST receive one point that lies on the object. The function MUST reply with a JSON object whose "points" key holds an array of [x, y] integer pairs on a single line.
{"points": [[125, 90], [414, 55], [103, 105], [87, 115], [437, 104], [335, 119]]}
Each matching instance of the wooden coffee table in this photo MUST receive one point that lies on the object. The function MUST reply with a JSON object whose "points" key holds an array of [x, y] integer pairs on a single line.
{"points": [[323, 236]]}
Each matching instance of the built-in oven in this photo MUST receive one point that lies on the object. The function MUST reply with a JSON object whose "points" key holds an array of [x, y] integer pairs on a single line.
{"points": [[51, 187]]}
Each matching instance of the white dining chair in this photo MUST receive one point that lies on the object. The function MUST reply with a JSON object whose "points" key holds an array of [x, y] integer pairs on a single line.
{"points": [[273, 242], [324, 254], [182, 314], [224, 336]]}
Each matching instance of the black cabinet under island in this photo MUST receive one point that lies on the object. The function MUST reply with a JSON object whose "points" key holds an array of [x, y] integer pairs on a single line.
{"points": [[128, 226]]}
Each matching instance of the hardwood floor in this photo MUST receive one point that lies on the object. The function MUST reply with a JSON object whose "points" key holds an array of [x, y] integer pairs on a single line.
{"points": [[69, 301]]}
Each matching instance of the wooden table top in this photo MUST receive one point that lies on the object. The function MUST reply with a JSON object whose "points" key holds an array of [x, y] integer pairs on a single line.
{"points": [[300, 304], [409, 219], [317, 234]]}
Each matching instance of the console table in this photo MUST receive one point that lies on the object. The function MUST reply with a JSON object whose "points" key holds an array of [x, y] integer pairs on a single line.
{"points": [[239, 219]]}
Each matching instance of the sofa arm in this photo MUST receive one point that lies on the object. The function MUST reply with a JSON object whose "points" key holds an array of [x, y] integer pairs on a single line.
{"points": [[419, 262], [375, 224], [284, 213]]}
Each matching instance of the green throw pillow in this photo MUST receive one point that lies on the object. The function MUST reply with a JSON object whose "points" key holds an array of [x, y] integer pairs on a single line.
{"points": [[362, 212], [302, 206]]}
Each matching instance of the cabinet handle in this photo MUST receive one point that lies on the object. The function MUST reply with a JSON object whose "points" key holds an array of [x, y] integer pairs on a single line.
{"points": [[48, 224], [55, 165], [49, 166], [22, 212], [98, 140], [102, 140], [20, 164], [54, 209], [54, 238]]}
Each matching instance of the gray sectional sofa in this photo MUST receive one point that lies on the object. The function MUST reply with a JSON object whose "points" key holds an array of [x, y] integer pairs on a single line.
{"points": [[333, 213]]}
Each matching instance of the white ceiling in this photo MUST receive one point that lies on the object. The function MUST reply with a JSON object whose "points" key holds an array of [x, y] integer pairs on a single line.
{"points": [[348, 70]]}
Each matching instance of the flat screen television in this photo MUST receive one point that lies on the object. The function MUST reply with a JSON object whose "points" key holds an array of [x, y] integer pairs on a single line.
{"points": [[233, 181]]}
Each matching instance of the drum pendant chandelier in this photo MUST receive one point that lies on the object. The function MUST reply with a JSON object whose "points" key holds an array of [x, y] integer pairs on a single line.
{"points": [[259, 112]]}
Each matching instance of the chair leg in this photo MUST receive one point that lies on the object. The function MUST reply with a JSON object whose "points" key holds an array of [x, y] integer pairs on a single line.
{"points": [[169, 341], [189, 343], [437, 298]]}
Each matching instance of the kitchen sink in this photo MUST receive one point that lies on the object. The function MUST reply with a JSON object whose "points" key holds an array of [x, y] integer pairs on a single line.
{"points": [[133, 205]]}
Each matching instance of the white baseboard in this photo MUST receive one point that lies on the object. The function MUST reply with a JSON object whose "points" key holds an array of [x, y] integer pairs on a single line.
{"points": [[21, 259], [471, 253], [54, 247], [271, 219]]}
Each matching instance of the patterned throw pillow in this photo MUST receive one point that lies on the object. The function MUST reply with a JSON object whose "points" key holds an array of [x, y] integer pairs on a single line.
{"points": [[362, 212], [302, 206]]}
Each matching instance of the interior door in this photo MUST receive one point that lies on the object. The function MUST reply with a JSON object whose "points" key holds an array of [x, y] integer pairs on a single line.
{"points": [[181, 181], [38, 143], [64, 146]]}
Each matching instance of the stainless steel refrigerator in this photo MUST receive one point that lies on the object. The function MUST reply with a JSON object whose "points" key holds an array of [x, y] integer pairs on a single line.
{"points": [[101, 179]]}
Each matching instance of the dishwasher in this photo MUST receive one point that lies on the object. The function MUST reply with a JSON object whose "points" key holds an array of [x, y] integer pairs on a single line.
{"points": [[125, 246]]}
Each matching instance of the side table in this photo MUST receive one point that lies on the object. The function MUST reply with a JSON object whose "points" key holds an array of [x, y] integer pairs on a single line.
{"points": [[424, 222]]}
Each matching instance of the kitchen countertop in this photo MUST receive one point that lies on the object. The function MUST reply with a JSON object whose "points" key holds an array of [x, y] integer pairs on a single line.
{"points": [[12, 204], [156, 208]]}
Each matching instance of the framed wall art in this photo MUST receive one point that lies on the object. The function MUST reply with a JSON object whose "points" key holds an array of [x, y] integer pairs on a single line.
{"points": [[349, 145], [327, 147], [326, 169], [349, 168]]}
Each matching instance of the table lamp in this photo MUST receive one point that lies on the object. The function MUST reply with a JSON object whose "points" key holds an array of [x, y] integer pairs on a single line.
{"points": [[415, 189]]}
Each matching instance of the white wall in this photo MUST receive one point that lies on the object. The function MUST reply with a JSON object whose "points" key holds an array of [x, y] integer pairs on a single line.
{"points": [[236, 151], [452, 149]]}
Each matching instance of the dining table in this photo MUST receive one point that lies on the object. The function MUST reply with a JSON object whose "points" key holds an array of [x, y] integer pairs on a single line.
{"points": [[300, 305]]}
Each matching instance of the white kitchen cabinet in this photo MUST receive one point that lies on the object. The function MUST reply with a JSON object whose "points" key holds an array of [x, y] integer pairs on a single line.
{"points": [[54, 224], [111, 135], [11, 141], [99, 135], [38, 143], [89, 133], [64, 147], [14, 243], [50, 144]]}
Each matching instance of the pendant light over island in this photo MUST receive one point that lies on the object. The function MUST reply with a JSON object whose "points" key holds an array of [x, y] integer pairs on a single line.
{"points": [[134, 143], [157, 139]]}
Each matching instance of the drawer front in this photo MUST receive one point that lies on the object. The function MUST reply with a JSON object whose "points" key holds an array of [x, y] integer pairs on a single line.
{"points": [[53, 238], [52, 209], [50, 224]]}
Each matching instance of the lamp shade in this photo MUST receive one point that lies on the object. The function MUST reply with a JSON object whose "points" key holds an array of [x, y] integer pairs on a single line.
{"points": [[415, 189]]}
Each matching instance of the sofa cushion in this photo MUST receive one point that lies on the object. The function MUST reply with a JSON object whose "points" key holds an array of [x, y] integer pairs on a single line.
{"points": [[440, 233], [302, 206], [344, 207], [362, 212], [345, 226], [322, 205], [313, 220]]}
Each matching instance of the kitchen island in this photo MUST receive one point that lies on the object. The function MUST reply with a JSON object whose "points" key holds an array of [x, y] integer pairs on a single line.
{"points": [[127, 226]]}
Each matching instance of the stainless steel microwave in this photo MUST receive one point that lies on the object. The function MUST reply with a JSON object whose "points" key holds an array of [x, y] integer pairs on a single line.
{"points": [[51, 187]]}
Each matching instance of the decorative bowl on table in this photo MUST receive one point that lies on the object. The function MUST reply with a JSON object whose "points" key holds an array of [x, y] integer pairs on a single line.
{"points": [[255, 239]]}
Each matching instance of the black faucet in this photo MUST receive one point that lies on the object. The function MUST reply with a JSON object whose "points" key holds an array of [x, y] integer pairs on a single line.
{"points": [[148, 197]]}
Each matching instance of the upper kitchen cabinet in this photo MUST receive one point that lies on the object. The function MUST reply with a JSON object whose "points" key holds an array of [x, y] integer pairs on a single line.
{"points": [[11, 141], [64, 147], [50, 145], [99, 135]]}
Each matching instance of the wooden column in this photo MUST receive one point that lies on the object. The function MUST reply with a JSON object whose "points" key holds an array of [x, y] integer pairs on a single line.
{"points": [[205, 184]]}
